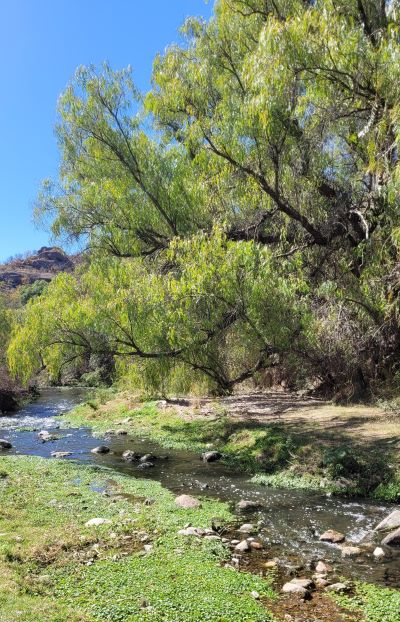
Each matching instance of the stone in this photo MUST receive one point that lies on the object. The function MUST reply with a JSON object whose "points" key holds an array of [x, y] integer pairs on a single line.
{"points": [[271, 564], [146, 465], [392, 539], [101, 449], [379, 553], [256, 546], [321, 582], [148, 548], [191, 531], [60, 454], [121, 432], [96, 522], [255, 595], [305, 583], [235, 541], [323, 567], [337, 587], [242, 547], [246, 528], [4, 444], [212, 537], [211, 456], [186, 502], [148, 458], [292, 588], [130, 456], [248, 506], [332, 536], [350, 551], [390, 522]]}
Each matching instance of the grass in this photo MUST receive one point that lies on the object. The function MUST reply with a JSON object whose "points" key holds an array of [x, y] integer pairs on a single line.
{"points": [[54, 568], [293, 454], [374, 603]]}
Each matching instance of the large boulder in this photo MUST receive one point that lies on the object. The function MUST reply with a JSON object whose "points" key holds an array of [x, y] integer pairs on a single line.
{"points": [[390, 522], [392, 539]]}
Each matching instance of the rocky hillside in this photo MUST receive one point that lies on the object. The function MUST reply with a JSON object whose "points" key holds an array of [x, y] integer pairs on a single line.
{"points": [[42, 265]]}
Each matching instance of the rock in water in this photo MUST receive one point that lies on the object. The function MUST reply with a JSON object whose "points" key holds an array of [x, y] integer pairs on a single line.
{"points": [[390, 522], [4, 444], [246, 528], [146, 465], [248, 506], [101, 449], [148, 458], [392, 539], [187, 502], [130, 456], [211, 456], [323, 567], [379, 553], [332, 536], [350, 551], [60, 454]]}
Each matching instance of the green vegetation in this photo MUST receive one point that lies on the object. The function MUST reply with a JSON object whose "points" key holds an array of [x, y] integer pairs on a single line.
{"points": [[376, 604], [279, 454], [243, 215], [54, 568]]}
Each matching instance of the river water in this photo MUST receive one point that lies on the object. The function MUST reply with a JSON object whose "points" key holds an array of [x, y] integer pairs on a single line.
{"points": [[289, 522]]}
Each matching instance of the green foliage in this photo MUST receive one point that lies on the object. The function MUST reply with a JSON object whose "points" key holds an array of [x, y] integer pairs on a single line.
{"points": [[376, 603], [32, 291], [243, 213]]}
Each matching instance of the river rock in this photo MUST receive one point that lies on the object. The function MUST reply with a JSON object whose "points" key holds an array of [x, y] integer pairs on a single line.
{"points": [[146, 465], [271, 564], [242, 547], [256, 546], [4, 444], [390, 522], [246, 528], [186, 502], [307, 584], [96, 522], [255, 595], [101, 449], [130, 456], [337, 587], [148, 458], [191, 531], [212, 537], [332, 536], [350, 551], [60, 454], [379, 553], [211, 456], [322, 567], [121, 432], [248, 506], [292, 588], [392, 539]]}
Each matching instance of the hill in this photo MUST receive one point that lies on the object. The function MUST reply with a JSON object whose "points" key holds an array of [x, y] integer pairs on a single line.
{"points": [[42, 265]]}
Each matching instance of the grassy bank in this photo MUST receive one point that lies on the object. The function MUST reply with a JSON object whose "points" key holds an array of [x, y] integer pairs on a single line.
{"points": [[351, 451], [54, 568]]}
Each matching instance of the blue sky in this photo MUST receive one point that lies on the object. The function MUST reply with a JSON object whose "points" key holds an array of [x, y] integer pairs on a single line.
{"points": [[41, 44]]}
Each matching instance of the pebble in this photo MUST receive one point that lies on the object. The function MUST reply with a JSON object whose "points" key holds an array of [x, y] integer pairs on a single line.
{"points": [[246, 528], [255, 595], [350, 551], [337, 587], [257, 546], [323, 567]]}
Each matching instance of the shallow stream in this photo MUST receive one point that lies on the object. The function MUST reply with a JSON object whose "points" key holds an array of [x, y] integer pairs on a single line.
{"points": [[289, 523]]}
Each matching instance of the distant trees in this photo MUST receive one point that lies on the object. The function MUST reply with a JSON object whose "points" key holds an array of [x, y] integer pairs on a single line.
{"points": [[244, 213]]}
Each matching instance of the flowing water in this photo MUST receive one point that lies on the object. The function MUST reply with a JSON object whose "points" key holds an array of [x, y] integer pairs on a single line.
{"points": [[289, 522]]}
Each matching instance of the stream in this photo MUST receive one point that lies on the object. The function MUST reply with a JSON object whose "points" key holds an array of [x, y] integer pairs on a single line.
{"points": [[289, 523]]}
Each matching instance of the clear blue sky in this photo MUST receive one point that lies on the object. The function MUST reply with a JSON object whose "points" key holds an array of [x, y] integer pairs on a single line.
{"points": [[41, 44]]}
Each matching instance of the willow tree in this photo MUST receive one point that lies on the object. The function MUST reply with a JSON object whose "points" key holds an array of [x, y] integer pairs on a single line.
{"points": [[276, 123]]}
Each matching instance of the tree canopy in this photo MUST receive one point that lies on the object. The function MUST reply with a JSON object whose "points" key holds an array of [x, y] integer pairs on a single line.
{"points": [[243, 213]]}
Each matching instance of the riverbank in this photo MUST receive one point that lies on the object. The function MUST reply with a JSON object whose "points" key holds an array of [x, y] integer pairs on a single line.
{"points": [[88, 544], [134, 566], [283, 440]]}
